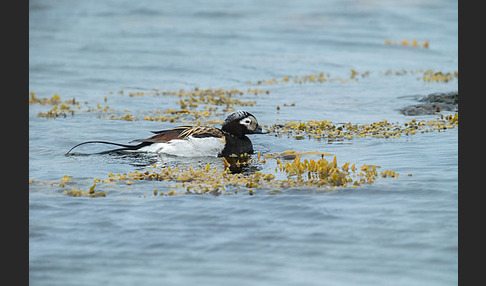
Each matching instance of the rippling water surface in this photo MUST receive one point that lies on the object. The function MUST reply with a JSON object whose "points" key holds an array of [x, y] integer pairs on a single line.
{"points": [[400, 231]]}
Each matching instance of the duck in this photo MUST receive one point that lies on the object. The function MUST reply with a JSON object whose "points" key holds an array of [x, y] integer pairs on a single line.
{"points": [[193, 141]]}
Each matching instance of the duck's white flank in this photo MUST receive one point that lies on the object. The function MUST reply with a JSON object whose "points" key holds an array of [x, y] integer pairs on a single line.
{"points": [[191, 147]]}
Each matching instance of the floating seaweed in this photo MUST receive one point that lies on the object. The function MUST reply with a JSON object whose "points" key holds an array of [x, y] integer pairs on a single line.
{"points": [[292, 169], [321, 77], [298, 79], [57, 111], [414, 43], [60, 108], [196, 106], [295, 171], [126, 117], [439, 76], [326, 130], [81, 193]]}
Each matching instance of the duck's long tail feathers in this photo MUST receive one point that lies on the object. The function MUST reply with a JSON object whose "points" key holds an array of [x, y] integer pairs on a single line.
{"points": [[125, 147]]}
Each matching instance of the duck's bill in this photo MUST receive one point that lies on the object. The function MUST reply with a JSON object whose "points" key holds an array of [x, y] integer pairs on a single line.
{"points": [[258, 130]]}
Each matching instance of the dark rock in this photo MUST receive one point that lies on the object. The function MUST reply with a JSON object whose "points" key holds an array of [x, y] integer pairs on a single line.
{"points": [[433, 103], [442, 97]]}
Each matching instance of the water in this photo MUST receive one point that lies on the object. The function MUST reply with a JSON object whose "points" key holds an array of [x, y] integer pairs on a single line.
{"points": [[400, 231]]}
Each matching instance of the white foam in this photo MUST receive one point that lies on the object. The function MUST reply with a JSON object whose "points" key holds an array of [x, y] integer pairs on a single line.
{"points": [[191, 147]]}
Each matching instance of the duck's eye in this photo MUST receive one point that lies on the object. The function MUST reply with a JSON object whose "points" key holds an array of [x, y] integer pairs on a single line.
{"points": [[247, 121]]}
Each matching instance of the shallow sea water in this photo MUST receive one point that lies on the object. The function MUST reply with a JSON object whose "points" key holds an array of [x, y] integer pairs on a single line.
{"points": [[400, 231]]}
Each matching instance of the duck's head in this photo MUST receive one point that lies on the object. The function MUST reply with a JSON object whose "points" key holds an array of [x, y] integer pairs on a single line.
{"points": [[240, 123]]}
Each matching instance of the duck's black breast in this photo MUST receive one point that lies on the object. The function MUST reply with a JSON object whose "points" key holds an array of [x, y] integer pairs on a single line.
{"points": [[236, 146]]}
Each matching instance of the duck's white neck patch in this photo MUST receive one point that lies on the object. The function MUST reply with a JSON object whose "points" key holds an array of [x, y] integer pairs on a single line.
{"points": [[191, 147]]}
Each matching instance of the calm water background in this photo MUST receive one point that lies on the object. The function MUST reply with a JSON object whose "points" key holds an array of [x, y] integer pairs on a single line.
{"points": [[400, 231]]}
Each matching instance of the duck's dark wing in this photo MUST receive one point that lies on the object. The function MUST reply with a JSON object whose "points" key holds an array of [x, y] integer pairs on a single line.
{"points": [[182, 132]]}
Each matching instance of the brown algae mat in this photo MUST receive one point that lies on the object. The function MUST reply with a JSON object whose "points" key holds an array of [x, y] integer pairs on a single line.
{"points": [[290, 169]]}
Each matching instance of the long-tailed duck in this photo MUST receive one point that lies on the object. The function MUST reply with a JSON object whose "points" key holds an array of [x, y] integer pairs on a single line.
{"points": [[192, 141]]}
